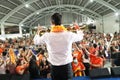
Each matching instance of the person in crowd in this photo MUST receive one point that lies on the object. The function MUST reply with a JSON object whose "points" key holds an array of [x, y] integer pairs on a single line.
{"points": [[78, 68], [12, 55], [59, 45], [96, 60], [78, 53], [1, 48], [2, 65], [44, 68], [10, 67], [86, 60], [40, 56], [114, 49], [21, 67], [93, 49], [33, 67]]}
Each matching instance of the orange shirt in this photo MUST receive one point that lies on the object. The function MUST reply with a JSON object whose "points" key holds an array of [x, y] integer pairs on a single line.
{"points": [[19, 68], [78, 55], [1, 50], [78, 66], [96, 60], [40, 57], [92, 50]]}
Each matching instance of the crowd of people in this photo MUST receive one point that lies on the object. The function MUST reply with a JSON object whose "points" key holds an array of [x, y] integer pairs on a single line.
{"points": [[20, 55]]}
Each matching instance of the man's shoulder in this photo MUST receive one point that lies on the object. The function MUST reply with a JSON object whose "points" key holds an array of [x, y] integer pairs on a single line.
{"points": [[52, 33], [68, 32]]}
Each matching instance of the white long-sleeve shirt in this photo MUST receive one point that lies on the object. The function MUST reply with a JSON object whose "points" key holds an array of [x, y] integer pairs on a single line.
{"points": [[59, 45]]}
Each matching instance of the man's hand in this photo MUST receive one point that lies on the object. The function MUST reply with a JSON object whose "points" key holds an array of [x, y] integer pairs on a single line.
{"points": [[39, 29]]}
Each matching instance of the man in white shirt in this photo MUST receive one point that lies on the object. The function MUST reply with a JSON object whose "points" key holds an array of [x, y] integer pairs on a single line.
{"points": [[59, 45]]}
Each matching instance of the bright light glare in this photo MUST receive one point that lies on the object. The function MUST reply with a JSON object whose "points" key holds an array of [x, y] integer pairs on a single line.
{"points": [[116, 14], [26, 5], [22, 24], [37, 12], [91, 0]]}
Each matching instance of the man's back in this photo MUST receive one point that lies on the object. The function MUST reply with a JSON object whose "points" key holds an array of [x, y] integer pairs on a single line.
{"points": [[59, 47]]}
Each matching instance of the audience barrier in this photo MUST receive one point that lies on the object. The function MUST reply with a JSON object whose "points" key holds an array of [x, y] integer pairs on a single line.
{"points": [[88, 78]]}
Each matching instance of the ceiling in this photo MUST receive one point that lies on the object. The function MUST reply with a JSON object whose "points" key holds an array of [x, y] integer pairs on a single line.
{"points": [[17, 12]]}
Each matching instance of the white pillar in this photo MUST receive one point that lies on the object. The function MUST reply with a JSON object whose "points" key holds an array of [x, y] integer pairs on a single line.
{"points": [[30, 31], [2, 30], [20, 30], [103, 25], [119, 23]]}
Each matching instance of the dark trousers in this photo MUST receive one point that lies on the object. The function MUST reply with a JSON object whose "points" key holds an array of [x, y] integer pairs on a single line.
{"points": [[87, 66], [63, 72]]}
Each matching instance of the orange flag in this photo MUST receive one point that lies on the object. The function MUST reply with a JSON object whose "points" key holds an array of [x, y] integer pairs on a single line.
{"points": [[12, 56]]}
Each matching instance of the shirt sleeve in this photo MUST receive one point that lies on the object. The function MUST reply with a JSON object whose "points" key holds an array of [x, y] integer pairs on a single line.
{"points": [[77, 36], [38, 40]]}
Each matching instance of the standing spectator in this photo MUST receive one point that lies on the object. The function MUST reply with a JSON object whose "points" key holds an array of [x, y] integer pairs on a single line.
{"points": [[78, 68]]}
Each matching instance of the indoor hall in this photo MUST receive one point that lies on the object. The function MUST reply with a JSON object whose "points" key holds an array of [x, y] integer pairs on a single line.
{"points": [[59, 39]]}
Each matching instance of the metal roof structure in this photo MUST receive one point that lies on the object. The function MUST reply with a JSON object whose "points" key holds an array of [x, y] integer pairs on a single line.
{"points": [[31, 12]]}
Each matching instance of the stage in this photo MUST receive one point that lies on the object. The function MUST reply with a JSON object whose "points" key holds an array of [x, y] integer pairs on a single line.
{"points": [[88, 78]]}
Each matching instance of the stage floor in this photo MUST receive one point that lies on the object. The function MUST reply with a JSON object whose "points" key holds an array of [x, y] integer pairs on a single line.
{"points": [[87, 78]]}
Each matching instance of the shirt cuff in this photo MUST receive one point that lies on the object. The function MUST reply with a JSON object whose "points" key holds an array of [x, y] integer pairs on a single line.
{"points": [[80, 32]]}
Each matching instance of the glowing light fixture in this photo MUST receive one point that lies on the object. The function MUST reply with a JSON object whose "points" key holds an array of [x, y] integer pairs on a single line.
{"points": [[116, 14], [37, 13], [26, 5], [22, 24], [91, 0]]}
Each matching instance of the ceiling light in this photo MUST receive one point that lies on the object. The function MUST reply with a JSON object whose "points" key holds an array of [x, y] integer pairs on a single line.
{"points": [[91, 0], [37, 13], [82, 9], [24, 30], [116, 14], [35, 27], [22, 25], [26, 5]]}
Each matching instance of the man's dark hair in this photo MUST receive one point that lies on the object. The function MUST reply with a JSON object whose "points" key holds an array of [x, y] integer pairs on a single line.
{"points": [[56, 18]]}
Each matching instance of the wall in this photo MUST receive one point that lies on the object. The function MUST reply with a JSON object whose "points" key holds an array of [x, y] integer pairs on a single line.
{"points": [[3, 35], [12, 35], [67, 18], [109, 24]]}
